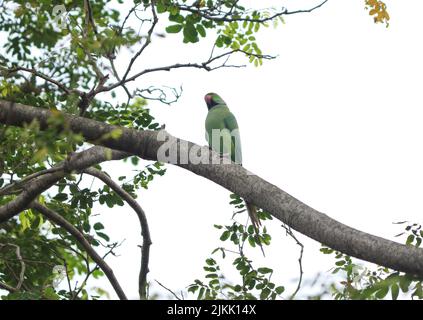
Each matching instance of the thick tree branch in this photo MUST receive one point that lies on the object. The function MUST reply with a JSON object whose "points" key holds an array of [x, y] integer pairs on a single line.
{"points": [[145, 232], [34, 187], [29, 193], [59, 220], [5, 286], [9, 188], [237, 179]]}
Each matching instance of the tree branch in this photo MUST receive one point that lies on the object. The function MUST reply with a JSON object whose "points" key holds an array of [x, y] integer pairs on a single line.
{"points": [[237, 179], [220, 15], [59, 220], [5, 286], [145, 232], [38, 185], [147, 41], [42, 76], [21, 274], [7, 189], [300, 259], [206, 65]]}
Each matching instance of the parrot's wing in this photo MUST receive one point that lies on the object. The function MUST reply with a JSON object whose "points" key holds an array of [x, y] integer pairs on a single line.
{"points": [[232, 125], [218, 136], [226, 144]]}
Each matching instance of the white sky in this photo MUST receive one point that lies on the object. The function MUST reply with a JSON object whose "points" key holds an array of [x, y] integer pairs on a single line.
{"points": [[335, 121]]}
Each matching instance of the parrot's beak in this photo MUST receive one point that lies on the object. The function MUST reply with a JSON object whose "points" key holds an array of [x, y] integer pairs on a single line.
{"points": [[207, 98]]}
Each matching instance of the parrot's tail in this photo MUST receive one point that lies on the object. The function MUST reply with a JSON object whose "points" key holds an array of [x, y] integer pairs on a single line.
{"points": [[252, 212]]}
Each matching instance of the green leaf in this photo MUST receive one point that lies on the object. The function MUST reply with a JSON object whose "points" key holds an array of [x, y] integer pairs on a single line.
{"points": [[211, 261], [61, 197], [264, 270], [225, 235], [280, 289], [161, 7], [192, 289], [201, 30], [176, 18], [410, 239], [50, 294], [200, 293], [103, 235], [98, 226], [209, 269], [394, 291], [252, 241], [25, 223], [214, 282], [174, 28], [382, 292], [264, 293], [190, 33], [404, 284]]}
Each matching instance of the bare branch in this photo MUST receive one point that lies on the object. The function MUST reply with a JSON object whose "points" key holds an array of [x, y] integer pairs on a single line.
{"points": [[300, 258], [145, 45], [89, 19], [167, 289], [42, 76], [159, 94], [216, 14], [145, 232], [23, 267], [204, 65], [59, 220]]}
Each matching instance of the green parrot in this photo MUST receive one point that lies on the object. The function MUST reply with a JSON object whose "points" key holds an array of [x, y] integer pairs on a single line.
{"points": [[222, 134]]}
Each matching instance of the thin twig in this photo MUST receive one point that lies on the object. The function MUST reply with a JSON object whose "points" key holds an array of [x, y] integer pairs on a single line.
{"points": [[21, 277], [72, 293], [220, 16], [173, 293], [204, 65], [43, 76], [147, 41], [300, 259]]}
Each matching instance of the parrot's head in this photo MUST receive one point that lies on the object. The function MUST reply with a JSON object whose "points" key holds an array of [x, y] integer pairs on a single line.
{"points": [[213, 99]]}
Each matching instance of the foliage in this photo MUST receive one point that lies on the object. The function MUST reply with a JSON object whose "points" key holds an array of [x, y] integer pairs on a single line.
{"points": [[255, 282], [377, 9], [360, 282]]}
